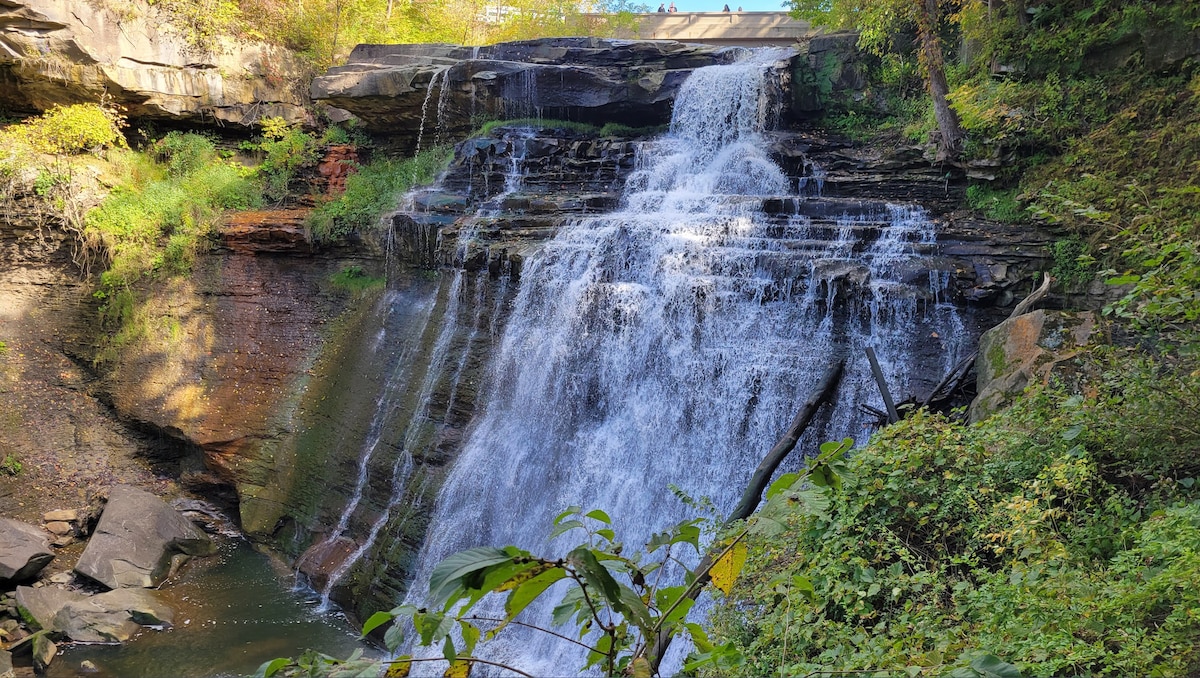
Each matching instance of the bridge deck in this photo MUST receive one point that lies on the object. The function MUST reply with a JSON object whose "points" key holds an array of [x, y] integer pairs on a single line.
{"points": [[725, 28]]}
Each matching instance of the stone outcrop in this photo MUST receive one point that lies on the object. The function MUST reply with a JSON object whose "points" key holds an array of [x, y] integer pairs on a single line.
{"points": [[1023, 350], [402, 90], [62, 52], [111, 617], [24, 551], [139, 541]]}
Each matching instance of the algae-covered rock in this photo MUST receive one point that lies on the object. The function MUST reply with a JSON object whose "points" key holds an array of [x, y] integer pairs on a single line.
{"points": [[1025, 349]]}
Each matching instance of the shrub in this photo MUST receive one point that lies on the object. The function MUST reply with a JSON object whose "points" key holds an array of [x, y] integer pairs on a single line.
{"points": [[68, 130], [374, 189], [1053, 535]]}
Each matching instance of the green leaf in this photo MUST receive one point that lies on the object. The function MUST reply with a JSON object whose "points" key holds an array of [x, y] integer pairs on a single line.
{"points": [[268, 669], [1073, 432], [597, 514], [470, 635], [565, 526], [570, 511], [1123, 279], [596, 576], [992, 666], [433, 626], [571, 603], [784, 482], [607, 533], [448, 575], [635, 609], [527, 592], [448, 650], [393, 637], [375, 621], [603, 645]]}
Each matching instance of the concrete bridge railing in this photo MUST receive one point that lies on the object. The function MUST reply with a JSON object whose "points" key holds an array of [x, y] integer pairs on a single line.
{"points": [[750, 29]]}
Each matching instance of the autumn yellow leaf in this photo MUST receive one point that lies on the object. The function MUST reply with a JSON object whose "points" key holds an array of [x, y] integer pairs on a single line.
{"points": [[725, 571], [458, 670], [399, 668]]}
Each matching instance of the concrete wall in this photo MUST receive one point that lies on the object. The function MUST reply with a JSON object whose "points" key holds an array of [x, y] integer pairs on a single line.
{"points": [[725, 28]]}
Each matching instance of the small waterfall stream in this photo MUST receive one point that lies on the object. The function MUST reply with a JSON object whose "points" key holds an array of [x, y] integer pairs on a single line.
{"points": [[670, 342]]}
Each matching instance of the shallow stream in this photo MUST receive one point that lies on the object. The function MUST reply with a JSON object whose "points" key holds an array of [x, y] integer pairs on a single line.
{"points": [[233, 612]]}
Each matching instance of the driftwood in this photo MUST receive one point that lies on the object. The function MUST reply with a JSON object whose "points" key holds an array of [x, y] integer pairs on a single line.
{"points": [[766, 468], [752, 495], [892, 415]]}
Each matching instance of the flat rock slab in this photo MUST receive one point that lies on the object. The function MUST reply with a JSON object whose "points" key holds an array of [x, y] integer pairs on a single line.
{"points": [[42, 605], [24, 551], [110, 617], [139, 540]]}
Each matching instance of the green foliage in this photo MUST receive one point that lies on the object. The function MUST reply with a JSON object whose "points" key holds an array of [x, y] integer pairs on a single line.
{"points": [[355, 279], [620, 603], [66, 130], [995, 204], [536, 123], [285, 150], [201, 22], [372, 190], [11, 465], [1073, 266], [1052, 536], [156, 221]]}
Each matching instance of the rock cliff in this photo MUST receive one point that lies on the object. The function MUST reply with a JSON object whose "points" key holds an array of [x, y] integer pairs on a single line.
{"points": [[61, 52], [407, 91]]}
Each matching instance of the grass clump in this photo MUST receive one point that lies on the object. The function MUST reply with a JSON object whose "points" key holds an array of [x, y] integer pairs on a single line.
{"points": [[372, 190], [995, 204], [1053, 536], [535, 123], [354, 279]]}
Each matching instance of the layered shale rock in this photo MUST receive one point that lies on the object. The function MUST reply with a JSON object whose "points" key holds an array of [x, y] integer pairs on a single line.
{"points": [[405, 90], [61, 52]]}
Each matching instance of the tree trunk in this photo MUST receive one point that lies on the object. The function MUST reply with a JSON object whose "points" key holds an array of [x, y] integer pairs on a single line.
{"points": [[952, 134]]}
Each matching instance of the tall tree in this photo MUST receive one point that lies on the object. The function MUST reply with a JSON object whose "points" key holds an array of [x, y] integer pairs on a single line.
{"points": [[877, 21]]}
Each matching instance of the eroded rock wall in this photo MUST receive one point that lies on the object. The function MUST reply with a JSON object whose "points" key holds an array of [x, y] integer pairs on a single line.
{"points": [[62, 52]]}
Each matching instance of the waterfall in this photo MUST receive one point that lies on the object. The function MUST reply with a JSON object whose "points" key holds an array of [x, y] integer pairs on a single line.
{"points": [[670, 343]]}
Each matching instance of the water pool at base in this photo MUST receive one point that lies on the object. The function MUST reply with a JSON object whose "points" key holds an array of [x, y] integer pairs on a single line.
{"points": [[233, 612]]}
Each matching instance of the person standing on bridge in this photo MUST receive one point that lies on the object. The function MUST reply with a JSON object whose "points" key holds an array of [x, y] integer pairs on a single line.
{"points": [[726, 8], [672, 8], [662, 6]]}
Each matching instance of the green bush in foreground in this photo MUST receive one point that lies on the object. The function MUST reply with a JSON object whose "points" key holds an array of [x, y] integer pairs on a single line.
{"points": [[1052, 536]]}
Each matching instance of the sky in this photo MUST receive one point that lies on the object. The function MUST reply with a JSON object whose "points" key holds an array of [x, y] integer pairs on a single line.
{"points": [[716, 5]]}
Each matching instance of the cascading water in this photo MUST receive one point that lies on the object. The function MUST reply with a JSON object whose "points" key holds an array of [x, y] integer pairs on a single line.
{"points": [[669, 343]]}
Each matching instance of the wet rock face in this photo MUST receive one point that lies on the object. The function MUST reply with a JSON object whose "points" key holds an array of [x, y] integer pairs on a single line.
{"points": [[62, 52], [393, 88]]}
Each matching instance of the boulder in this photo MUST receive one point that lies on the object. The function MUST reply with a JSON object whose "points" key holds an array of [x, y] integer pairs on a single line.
{"points": [[24, 551], [44, 651], [110, 617], [40, 606], [1025, 349], [6, 665], [59, 52], [139, 541]]}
